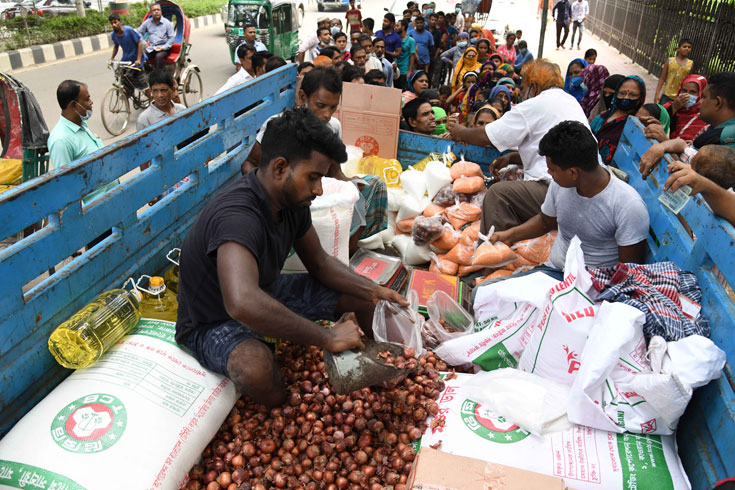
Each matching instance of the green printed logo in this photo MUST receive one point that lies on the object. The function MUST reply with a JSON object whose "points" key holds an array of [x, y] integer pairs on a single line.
{"points": [[89, 424], [488, 425]]}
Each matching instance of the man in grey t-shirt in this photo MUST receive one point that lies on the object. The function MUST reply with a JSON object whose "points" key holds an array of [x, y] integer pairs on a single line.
{"points": [[607, 215]]}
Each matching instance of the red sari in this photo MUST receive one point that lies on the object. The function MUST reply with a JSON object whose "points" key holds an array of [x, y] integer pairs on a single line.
{"points": [[688, 125]]}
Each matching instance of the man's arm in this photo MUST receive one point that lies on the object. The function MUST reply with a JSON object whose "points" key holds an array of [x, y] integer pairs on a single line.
{"points": [[655, 153], [337, 276], [114, 52], [472, 136], [720, 200], [169, 36], [140, 52], [534, 227], [248, 304], [60, 153], [633, 254]]}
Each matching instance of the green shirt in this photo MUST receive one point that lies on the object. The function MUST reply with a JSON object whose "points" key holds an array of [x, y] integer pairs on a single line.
{"points": [[69, 142]]}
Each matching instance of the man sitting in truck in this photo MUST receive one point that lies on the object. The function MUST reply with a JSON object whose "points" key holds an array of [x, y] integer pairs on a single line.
{"points": [[584, 199], [320, 91], [233, 301]]}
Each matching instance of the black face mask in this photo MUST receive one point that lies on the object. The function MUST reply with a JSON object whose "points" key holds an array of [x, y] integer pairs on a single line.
{"points": [[607, 100]]}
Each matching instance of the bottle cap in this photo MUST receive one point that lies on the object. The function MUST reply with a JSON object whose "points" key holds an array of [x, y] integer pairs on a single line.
{"points": [[156, 285]]}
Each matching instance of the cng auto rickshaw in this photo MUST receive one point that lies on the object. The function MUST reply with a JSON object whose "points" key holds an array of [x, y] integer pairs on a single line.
{"points": [[276, 25]]}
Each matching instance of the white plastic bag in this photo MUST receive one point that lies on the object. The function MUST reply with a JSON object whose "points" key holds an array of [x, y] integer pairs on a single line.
{"points": [[394, 323], [331, 216], [560, 332], [139, 417], [411, 253], [396, 195], [437, 176], [410, 207], [444, 311], [536, 404], [414, 182]]}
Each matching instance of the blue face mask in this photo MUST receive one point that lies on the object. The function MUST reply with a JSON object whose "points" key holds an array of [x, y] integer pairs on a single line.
{"points": [[429, 11], [473, 40], [692, 100], [334, 30], [627, 104], [523, 52], [462, 44], [458, 10], [576, 81]]}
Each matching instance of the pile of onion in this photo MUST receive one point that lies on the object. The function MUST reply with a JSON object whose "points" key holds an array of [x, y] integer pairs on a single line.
{"points": [[319, 440]]}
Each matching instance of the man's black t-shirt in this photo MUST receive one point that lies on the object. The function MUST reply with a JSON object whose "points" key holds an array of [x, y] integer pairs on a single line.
{"points": [[240, 213]]}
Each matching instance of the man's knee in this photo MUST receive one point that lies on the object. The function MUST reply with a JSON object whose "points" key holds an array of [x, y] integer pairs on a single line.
{"points": [[252, 367]]}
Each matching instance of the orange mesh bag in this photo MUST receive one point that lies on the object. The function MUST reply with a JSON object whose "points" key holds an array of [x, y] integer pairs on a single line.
{"points": [[470, 233], [461, 254], [494, 275], [536, 250], [493, 254], [466, 169], [449, 238], [440, 264], [404, 226], [433, 210], [468, 269], [462, 213], [468, 185]]}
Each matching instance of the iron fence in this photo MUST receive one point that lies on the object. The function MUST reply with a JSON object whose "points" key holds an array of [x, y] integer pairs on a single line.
{"points": [[648, 31]]}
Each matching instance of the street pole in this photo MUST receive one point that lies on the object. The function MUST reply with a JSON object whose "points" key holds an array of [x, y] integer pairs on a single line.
{"points": [[544, 17], [24, 15], [80, 8]]}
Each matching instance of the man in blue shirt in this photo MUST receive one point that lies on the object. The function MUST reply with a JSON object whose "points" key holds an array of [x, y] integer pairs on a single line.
{"points": [[424, 43], [160, 32], [251, 39], [407, 59], [127, 38], [393, 42]]}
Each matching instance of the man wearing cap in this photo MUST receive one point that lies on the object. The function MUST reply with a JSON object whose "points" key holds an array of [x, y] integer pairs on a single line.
{"points": [[307, 45], [393, 41]]}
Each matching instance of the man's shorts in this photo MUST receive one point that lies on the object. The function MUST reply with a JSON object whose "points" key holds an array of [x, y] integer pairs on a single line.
{"points": [[300, 293]]}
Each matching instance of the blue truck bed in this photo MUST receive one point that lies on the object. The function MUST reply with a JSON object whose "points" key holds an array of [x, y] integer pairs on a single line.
{"points": [[226, 126]]}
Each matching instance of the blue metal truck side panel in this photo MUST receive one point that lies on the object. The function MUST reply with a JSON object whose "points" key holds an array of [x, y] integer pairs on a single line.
{"points": [[413, 147], [706, 434], [226, 126]]}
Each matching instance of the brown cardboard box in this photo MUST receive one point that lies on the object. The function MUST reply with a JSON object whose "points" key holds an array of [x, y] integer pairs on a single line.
{"points": [[370, 117], [435, 470]]}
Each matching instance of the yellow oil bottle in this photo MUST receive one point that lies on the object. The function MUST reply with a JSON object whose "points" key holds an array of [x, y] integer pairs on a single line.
{"points": [[157, 301]]}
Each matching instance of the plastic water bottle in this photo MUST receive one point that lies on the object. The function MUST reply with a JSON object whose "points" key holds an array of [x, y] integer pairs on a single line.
{"points": [[81, 340], [157, 302], [171, 276]]}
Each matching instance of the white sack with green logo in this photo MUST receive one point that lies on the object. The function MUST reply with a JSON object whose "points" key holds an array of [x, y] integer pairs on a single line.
{"points": [[586, 458], [139, 418]]}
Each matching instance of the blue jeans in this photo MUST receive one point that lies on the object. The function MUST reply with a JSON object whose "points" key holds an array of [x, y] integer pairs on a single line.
{"points": [[212, 344], [578, 24]]}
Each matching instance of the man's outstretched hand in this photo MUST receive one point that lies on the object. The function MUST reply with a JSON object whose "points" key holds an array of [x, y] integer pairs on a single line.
{"points": [[388, 295], [344, 335]]}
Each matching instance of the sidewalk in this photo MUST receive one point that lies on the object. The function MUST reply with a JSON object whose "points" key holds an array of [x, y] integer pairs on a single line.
{"points": [[46, 53], [607, 56]]}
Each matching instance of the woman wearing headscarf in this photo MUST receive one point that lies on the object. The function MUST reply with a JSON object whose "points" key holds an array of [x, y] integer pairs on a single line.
{"points": [[466, 64], [658, 112], [497, 59], [457, 97], [418, 81], [629, 96], [483, 50], [606, 95], [484, 82], [593, 76], [511, 85], [573, 81], [684, 110], [502, 92]]}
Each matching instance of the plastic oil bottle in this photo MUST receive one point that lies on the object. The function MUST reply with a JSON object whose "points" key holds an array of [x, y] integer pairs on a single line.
{"points": [[171, 276], [81, 340], [388, 169], [158, 302]]}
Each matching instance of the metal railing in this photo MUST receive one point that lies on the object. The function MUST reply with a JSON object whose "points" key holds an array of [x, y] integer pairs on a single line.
{"points": [[648, 31]]}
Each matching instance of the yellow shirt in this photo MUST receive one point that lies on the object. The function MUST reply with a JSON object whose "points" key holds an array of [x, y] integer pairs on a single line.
{"points": [[675, 74]]}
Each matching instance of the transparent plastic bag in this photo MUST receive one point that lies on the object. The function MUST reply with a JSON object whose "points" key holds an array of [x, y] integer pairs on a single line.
{"points": [[536, 250], [461, 254], [510, 173], [414, 182], [493, 255], [437, 176], [462, 213], [398, 324], [468, 185], [445, 196], [467, 169], [433, 210], [443, 266], [449, 238], [426, 230], [405, 225], [447, 320], [478, 199], [470, 233]]}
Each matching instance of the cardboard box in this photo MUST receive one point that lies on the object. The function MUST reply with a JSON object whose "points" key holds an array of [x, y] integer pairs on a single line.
{"points": [[435, 470], [370, 117]]}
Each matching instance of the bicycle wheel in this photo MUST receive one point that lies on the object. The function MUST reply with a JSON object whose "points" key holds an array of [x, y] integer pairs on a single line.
{"points": [[115, 111], [192, 88]]}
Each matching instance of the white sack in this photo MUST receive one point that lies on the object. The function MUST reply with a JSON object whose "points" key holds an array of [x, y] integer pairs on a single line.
{"points": [[411, 253], [437, 176], [414, 182]]}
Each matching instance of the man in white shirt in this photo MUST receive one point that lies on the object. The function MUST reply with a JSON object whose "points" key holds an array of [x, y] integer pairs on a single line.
{"points": [[545, 104], [580, 9], [163, 90], [307, 45], [459, 23], [251, 40], [245, 55]]}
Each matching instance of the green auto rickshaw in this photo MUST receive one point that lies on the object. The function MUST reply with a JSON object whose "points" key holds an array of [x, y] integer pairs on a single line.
{"points": [[276, 25]]}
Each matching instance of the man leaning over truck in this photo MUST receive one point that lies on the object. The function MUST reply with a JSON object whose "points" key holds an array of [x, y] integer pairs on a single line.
{"points": [[232, 298]]}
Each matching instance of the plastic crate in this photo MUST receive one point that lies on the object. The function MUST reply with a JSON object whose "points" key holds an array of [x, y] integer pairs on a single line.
{"points": [[35, 162]]}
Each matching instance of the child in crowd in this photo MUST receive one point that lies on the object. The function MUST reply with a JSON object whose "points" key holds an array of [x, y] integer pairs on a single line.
{"points": [[585, 200], [354, 17], [590, 56], [675, 70], [444, 92]]}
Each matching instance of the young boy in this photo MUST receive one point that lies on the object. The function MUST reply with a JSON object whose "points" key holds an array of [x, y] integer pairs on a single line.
{"points": [[584, 199], [354, 17], [675, 71], [590, 56]]}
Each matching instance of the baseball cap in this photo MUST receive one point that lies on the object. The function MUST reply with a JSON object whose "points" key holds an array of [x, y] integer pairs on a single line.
{"points": [[323, 18]]}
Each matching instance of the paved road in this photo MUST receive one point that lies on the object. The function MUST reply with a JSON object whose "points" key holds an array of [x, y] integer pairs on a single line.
{"points": [[209, 52]]}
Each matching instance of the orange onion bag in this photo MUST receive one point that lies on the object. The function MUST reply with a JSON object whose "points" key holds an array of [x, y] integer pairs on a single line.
{"points": [[450, 238], [440, 264], [470, 233], [467, 169], [493, 255], [461, 254], [433, 210], [536, 250], [404, 226], [468, 185], [462, 213]]}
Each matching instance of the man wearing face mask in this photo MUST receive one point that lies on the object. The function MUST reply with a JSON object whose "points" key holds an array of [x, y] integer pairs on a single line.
{"points": [[324, 39], [459, 23], [545, 104], [524, 56]]}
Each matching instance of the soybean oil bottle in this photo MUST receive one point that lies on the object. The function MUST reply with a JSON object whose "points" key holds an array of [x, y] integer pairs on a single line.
{"points": [[81, 340], [158, 302]]}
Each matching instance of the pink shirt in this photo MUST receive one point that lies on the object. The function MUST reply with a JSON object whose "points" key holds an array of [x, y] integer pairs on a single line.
{"points": [[509, 54]]}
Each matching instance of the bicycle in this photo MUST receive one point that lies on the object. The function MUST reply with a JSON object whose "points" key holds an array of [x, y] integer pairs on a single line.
{"points": [[130, 83]]}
